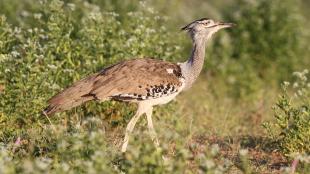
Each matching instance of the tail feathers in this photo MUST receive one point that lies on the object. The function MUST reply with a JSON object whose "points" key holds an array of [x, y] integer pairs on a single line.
{"points": [[66, 104], [71, 97], [49, 110]]}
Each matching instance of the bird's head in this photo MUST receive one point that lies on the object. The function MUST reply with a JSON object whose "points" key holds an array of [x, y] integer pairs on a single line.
{"points": [[205, 28]]}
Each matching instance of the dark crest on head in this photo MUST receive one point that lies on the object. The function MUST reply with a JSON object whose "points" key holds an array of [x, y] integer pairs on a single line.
{"points": [[187, 26]]}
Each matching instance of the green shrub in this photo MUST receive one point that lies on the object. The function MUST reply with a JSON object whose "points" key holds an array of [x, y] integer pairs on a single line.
{"points": [[269, 33], [264, 47], [291, 127]]}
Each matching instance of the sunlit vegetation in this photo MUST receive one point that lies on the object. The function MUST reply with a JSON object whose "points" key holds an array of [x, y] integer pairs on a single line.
{"points": [[237, 118]]}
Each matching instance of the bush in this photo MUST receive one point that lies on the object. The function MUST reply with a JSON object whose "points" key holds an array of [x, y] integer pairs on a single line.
{"points": [[264, 24], [291, 128], [264, 47]]}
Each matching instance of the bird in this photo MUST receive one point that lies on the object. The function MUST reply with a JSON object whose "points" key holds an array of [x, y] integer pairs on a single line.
{"points": [[145, 81]]}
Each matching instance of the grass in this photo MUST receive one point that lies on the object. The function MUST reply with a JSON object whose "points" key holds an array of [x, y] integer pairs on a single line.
{"points": [[211, 120], [188, 137], [220, 115]]}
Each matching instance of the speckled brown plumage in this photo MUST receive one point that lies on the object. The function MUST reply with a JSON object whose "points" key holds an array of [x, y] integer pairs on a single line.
{"points": [[132, 80]]}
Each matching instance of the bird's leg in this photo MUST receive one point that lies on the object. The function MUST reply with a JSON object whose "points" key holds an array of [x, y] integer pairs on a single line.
{"points": [[152, 130], [130, 128], [151, 127]]}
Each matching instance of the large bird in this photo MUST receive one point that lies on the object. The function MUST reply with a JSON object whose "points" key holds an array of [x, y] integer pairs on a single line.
{"points": [[147, 82]]}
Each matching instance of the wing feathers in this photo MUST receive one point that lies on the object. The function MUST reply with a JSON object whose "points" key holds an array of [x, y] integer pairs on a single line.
{"points": [[138, 77]]}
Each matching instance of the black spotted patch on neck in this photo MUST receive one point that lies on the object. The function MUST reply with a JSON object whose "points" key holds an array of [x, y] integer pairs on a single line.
{"points": [[177, 72]]}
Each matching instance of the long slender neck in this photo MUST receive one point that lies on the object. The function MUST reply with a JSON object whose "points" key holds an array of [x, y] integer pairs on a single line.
{"points": [[193, 67]]}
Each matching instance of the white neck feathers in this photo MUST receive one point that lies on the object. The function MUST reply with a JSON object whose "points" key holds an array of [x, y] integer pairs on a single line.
{"points": [[193, 66]]}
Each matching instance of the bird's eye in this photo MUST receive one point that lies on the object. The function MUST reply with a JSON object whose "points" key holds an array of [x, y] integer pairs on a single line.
{"points": [[208, 22]]}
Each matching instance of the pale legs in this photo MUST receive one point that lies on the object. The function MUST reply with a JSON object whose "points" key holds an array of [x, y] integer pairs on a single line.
{"points": [[130, 127], [142, 108], [151, 127], [152, 131]]}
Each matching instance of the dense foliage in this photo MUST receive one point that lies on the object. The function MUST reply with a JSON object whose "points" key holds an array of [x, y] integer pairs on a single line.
{"points": [[265, 46], [291, 128]]}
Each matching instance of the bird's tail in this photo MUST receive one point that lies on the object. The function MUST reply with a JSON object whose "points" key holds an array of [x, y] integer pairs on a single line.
{"points": [[64, 104], [71, 97]]}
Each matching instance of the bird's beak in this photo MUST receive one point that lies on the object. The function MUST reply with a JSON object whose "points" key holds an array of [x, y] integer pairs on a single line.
{"points": [[225, 25]]}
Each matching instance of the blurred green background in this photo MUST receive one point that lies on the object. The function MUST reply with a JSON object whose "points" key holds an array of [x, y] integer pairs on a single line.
{"points": [[47, 45]]}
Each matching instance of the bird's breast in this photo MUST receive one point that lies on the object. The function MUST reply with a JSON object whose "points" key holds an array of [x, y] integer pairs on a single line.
{"points": [[154, 94]]}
